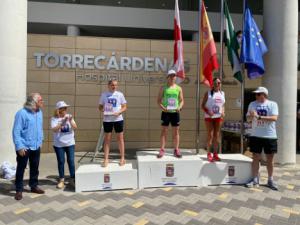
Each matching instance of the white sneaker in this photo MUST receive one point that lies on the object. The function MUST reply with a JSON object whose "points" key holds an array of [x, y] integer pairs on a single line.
{"points": [[61, 184]]}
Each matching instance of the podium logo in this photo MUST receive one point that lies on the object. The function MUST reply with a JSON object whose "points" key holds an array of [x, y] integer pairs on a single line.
{"points": [[169, 170], [106, 178], [231, 171]]}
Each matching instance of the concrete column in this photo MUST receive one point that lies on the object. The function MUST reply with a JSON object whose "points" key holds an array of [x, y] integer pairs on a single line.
{"points": [[13, 45], [280, 31], [73, 30]]}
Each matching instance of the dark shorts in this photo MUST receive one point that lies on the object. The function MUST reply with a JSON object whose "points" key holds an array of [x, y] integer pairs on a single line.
{"points": [[168, 117], [117, 126], [258, 144]]}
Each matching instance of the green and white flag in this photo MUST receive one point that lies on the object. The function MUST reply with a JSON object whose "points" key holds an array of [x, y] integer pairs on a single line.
{"points": [[232, 45]]}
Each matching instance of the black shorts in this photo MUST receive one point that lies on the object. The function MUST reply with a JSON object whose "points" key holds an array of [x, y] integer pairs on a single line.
{"points": [[168, 117], [117, 126], [257, 144]]}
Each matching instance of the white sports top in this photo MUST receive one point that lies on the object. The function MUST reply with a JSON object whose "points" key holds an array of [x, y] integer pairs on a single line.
{"points": [[215, 104]]}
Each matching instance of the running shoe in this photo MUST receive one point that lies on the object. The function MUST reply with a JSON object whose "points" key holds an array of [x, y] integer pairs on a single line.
{"points": [[216, 157], [252, 183], [161, 153], [210, 157], [271, 184], [177, 153]]}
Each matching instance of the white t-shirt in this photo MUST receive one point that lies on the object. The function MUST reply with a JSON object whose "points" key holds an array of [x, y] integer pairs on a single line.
{"points": [[262, 128], [112, 102], [65, 136], [215, 104]]}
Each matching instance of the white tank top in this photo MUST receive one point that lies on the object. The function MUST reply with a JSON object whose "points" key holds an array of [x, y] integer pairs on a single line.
{"points": [[215, 104]]}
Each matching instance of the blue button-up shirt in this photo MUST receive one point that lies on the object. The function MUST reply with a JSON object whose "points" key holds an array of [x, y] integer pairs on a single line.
{"points": [[28, 129]]}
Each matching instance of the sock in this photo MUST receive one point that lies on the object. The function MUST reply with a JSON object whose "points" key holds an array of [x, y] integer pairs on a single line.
{"points": [[270, 178], [255, 179]]}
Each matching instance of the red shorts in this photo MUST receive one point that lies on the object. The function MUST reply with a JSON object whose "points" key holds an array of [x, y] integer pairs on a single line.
{"points": [[216, 120]]}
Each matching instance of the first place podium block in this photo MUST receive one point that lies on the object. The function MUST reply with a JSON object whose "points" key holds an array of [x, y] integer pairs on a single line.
{"points": [[232, 169], [93, 177], [168, 170]]}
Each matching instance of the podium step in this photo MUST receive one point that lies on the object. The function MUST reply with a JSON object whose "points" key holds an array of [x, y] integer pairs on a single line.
{"points": [[168, 170], [94, 177], [232, 169]]}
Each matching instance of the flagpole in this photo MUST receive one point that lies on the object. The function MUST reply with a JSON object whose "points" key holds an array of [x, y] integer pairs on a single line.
{"points": [[221, 40], [242, 90], [221, 74], [198, 82]]}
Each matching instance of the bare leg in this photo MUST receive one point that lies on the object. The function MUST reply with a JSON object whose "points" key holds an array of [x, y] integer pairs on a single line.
{"points": [[107, 140], [216, 136], [175, 137], [255, 164], [120, 137], [163, 137], [270, 165], [209, 128]]}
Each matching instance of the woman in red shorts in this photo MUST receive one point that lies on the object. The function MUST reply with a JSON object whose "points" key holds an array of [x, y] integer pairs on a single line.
{"points": [[213, 106]]}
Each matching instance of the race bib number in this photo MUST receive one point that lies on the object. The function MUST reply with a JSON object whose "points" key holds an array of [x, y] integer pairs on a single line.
{"points": [[216, 109], [261, 111], [108, 109], [171, 104], [261, 124]]}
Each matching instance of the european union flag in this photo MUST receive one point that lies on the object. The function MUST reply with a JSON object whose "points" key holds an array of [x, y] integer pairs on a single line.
{"points": [[253, 47]]}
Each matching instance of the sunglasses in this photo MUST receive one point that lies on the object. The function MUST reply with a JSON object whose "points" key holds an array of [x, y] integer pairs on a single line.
{"points": [[258, 94]]}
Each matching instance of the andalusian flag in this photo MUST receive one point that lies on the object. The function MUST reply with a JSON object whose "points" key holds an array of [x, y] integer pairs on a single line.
{"points": [[208, 51], [232, 45]]}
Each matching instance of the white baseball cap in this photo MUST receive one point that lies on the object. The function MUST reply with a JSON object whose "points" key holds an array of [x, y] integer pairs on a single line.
{"points": [[171, 72], [61, 104], [261, 90]]}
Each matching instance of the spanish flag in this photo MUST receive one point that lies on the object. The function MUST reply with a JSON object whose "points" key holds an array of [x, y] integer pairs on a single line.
{"points": [[208, 51]]}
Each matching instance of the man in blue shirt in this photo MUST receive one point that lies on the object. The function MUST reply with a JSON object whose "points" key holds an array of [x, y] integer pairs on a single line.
{"points": [[28, 138]]}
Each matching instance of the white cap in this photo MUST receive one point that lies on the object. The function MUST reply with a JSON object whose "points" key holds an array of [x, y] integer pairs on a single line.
{"points": [[261, 90], [61, 104], [170, 72]]}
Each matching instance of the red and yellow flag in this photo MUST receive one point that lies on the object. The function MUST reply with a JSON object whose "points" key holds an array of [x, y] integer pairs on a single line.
{"points": [[208, 51]]}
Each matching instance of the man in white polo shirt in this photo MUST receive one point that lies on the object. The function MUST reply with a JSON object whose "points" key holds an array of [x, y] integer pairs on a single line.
{"points": [[263, 114]]}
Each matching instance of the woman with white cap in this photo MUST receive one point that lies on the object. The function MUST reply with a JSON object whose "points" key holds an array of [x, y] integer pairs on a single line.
{"points": [[63, 126]]}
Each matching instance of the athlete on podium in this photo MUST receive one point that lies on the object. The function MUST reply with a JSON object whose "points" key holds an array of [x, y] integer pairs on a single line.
{"points": [[112, 103], [170, 100]]}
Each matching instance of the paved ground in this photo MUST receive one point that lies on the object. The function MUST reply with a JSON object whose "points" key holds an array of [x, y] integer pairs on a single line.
{"points": [[234, 205]]}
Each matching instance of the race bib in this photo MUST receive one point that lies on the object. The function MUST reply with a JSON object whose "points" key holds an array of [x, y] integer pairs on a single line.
{"points": [[108, 109], [216, 109], [171, 104]]}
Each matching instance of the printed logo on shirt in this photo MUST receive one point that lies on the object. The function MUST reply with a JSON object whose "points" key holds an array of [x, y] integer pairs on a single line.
{"points": [[262, 110], [112, 101], [65, 128]]}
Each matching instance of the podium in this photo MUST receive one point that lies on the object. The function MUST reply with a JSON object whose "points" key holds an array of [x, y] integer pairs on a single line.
{"points": [[94, 177], [232, 169], [168, 170]]}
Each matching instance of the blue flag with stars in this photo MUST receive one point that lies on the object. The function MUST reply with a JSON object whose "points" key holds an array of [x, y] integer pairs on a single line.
{"points": [[253, 47]]}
